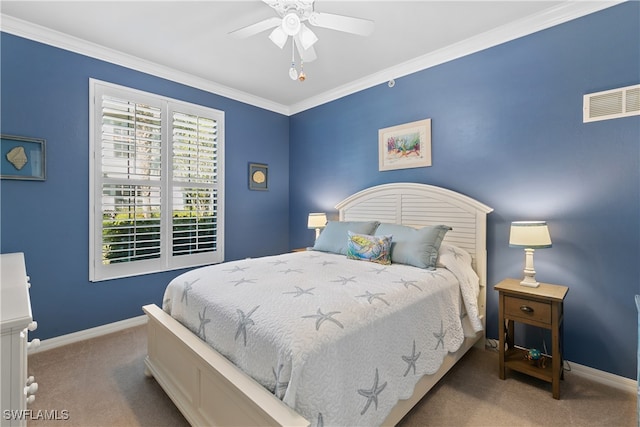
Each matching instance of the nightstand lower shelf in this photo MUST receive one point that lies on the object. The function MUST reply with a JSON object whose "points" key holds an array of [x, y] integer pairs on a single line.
{"points": [[514, 359]]}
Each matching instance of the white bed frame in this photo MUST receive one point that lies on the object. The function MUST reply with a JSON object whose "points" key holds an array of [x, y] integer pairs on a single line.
{"points": [[211, 391]]}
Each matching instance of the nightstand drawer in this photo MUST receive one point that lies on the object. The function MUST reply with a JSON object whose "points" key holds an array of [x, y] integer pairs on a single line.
{"points": [[520, 308]]}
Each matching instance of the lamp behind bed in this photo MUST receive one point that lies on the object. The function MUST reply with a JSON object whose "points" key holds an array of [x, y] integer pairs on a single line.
{"points": [[317, 221]]}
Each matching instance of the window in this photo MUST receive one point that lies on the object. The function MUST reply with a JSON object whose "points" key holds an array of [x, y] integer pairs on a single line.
{"points": [[156, 191]]}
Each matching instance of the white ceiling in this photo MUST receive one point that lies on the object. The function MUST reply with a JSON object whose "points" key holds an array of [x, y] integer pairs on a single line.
{"points": [[188, 41]]}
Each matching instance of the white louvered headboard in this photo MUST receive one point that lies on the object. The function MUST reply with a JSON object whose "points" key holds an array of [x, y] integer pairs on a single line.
{"points": [[418, 205]]}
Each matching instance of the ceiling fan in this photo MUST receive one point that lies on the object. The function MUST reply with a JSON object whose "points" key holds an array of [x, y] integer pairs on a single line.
{"points": [[292, 15]]}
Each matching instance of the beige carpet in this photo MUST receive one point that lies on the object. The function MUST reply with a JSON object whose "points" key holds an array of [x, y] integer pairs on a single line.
{"points": [[101, 382]]}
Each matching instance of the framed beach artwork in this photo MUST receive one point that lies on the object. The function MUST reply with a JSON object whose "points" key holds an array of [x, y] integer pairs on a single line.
{"points": [[22, 158], [405, 146]]}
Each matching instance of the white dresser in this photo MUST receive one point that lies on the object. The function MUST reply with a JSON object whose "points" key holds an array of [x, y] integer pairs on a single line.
{"points": [[15, 317]]}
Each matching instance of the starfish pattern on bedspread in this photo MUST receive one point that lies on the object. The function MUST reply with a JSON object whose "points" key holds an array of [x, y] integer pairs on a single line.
{"points": [[408, 283], [236, 269], [372, 393], [379, 270], [276, 289], [370, 297], [245, 320], [324, 317], [345, 280], [435, 273], [456, 253], [241, 281], [203, 321], [299, 292], [291, 270], [440, 336], [187, 288], [279, 262], [280, 385], [411, 360]]}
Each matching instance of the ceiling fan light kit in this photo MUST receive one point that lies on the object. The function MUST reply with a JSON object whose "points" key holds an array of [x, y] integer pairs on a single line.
{"points": [[291, 24], [292, 15], [278, 37], [307, 37]]}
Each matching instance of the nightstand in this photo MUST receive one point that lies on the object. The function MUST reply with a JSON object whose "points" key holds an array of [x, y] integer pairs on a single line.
{"points": [[541, 307]]}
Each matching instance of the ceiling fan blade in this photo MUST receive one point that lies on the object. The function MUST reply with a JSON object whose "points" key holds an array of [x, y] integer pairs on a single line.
{"points": [[256, 28], [347, 24], [307, 55]]}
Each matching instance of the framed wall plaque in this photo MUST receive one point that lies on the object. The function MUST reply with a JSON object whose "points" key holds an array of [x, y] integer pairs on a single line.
{"points": [[258, 176], [22, 158]]}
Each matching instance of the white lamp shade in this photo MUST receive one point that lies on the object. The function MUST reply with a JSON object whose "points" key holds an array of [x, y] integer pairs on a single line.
{"points": [[529, 234], [317, 220]]}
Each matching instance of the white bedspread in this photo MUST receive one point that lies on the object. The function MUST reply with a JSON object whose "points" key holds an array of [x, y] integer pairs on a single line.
{"points": [[338, 340]]}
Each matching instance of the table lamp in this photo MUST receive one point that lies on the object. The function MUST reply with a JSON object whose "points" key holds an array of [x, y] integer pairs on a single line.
{"points": [[317, 221], [530, 235]]}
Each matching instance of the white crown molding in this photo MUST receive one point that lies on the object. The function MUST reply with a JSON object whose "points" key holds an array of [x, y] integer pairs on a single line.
{"points": [[553, 16], [543, 20], [60, 40]]}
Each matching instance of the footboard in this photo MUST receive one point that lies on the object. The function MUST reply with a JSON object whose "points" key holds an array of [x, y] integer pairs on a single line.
{"points": [[207, 388]]}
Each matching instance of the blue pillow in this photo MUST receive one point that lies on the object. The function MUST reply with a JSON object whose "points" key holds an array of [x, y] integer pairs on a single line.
{"points": [[334, 237], [417, 247], [369, 248]]}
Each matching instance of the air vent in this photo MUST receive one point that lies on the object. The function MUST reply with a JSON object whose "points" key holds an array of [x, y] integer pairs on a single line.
{"points": [[612, 104]]}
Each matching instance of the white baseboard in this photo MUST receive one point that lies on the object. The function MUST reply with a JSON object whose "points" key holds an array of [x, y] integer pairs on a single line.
{"points": [[86, 334], [603, 377], [592, 374]]}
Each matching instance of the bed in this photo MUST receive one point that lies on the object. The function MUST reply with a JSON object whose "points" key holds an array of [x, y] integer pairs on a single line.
{"points": [[209, 389]]}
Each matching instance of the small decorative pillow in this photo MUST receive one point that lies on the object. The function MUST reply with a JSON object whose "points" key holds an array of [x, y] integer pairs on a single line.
{"points": [[334, 236], [369, 248]]}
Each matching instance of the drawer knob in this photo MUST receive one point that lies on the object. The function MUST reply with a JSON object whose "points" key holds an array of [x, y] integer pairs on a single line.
{"points": [[526, 309], [31, 389]]}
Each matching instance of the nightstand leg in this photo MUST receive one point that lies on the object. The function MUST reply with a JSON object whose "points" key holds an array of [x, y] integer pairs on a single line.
{"points": [[501, 337], [510, 333], [560, 346], [501, 333], [556, 354]]}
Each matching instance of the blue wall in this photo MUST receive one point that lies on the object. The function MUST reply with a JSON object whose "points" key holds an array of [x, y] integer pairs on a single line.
{"points": [[45, 94], [507, 130]]}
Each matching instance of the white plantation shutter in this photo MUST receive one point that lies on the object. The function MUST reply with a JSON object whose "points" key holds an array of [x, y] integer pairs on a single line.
{"points": [[131, 158], [195, 184], [156, 201]]}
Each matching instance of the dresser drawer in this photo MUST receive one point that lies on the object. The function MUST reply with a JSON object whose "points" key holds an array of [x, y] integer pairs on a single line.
{"points": [[521, 308]]}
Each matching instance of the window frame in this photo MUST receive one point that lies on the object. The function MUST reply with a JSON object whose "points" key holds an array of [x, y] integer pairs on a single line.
{"points": [[167, 261]]}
